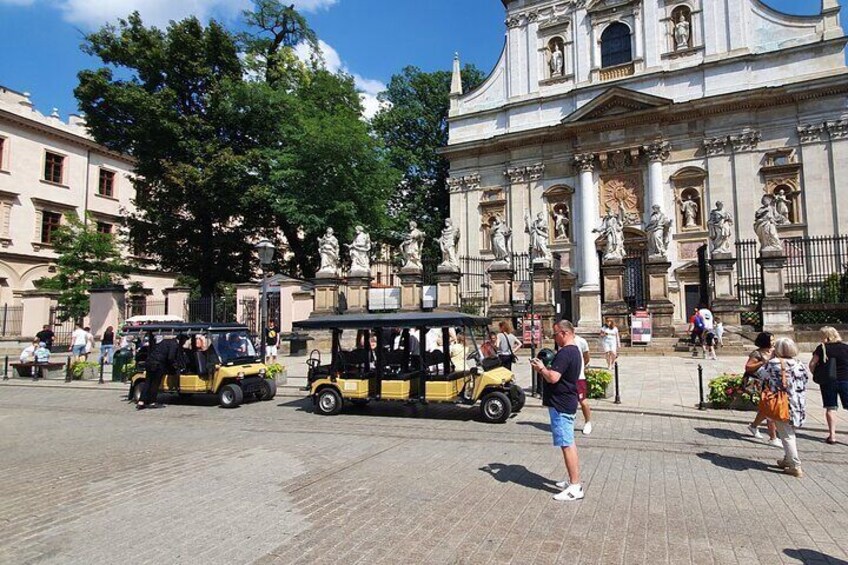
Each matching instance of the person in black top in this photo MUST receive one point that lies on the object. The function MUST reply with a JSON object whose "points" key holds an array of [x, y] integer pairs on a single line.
{"points": [[832, 393], [46, 336], [560, 397], [272, 342], [107, 345], [165, 358]]}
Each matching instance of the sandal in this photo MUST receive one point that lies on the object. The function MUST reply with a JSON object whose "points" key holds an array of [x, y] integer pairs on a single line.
{"points": [[830, 440], [140, 407]]}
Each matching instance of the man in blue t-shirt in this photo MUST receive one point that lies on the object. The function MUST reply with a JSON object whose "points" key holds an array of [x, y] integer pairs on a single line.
{"points": [[560, 396]]}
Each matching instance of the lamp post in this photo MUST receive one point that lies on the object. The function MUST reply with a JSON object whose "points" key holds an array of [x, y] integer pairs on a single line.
{"points": [[265, 249]]}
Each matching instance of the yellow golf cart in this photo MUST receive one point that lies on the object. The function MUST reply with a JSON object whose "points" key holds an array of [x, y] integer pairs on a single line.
{"points": [[219, 359], [408, 358]]}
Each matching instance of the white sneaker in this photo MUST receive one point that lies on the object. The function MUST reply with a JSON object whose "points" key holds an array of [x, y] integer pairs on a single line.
{"points": [[572, 492], [755, 432], [775, 442], [587, 428]]}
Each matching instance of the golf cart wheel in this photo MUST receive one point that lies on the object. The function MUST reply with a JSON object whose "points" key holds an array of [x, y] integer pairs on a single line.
{"points": [[268, 390], [519, 400], [138, 391], [496, 407], [230, 396], [328, 402]]}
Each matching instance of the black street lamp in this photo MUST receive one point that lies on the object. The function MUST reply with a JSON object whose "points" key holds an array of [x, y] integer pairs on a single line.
{"points": [[265, 249]]}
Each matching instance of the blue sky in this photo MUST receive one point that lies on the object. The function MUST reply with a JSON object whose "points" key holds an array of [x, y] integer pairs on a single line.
{"points": [[371, 39]]}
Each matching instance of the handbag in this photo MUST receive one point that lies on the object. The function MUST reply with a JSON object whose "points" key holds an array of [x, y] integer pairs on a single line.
{"points": [[825, 373], [508, 344], [774, 405]]}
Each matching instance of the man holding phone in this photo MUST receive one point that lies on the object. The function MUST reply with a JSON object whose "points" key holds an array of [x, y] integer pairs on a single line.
{"points": [[561, 399]]}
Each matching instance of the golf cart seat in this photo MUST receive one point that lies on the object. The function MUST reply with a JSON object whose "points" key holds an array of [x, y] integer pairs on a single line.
{"points": [[450, 376]]}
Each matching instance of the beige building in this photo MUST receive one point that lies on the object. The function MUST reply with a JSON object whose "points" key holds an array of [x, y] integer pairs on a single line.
{"points": [[628, 104], [50, 169]]}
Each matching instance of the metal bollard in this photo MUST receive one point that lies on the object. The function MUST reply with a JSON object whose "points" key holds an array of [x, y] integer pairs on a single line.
{"points": [[6, 369], [100, 382], [68, 376], [617, 386], [701, 405]]}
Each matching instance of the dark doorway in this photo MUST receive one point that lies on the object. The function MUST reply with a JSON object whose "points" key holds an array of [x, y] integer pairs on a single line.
{"points": [[693, 298], [566, 311]]}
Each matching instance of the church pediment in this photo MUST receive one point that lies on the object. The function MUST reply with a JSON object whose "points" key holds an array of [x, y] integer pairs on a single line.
{"points": [[604, 5], [616, 101]]}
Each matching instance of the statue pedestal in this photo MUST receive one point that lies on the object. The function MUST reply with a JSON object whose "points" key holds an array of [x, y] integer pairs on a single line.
{"points": [[501, 276], [725, 304], [614, 306], [357, 294], [776, 308], [326, 295], [659, 305], [411, 281], [447, 282]]}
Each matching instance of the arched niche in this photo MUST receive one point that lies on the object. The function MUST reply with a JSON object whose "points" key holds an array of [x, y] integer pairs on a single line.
{"points": [[681, 28], [690, 206], [558, 201]]}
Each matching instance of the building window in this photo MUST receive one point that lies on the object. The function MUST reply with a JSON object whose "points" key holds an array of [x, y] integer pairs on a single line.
{"points": [[104, 227], [50, 222], [53, 166], [616, 47], [2, 152], [106, 186]]}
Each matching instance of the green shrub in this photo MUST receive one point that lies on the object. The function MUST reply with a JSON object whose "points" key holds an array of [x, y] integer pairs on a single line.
{"points": [[79, 369], [597, 381], [726, 391], [271, 371]]}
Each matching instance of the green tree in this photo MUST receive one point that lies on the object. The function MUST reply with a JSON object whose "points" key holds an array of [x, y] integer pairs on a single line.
{"points": [[414, 126], [86, 259]]}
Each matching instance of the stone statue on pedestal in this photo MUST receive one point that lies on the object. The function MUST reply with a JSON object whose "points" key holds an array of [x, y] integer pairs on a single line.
{"points": [[538, 230], [501, 235], [561, 221], [449, 242], [557, 62], [328, 247], [360, 250], [659, 233], [766, 220], [612, 228], [689, 210], [411, 248], [682, 33], [721, 230]]}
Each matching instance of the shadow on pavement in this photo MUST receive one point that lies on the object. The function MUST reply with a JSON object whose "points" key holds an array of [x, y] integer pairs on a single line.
{"points": [[538, 425], [724, 433], [520, 475], [387, 409], [734, 463], [812, 556]]}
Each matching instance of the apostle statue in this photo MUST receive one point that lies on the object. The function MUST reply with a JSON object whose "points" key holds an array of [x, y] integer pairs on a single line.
{"points": [[557, 62], [682, 33], [561, 221], [501, 235], [659, 233], [612, 228], [689, 210], [448, 242], [360, 253], [781, 203], [328, 247], [721, 229], [766, 220], [538, 230], [411, 248]]}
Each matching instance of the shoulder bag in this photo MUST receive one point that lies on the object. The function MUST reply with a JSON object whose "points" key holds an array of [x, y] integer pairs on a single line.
{"points": [[825, 373], [774, 405], [509, 344]]}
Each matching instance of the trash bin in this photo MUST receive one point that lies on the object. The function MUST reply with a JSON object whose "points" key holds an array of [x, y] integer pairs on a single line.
{"points": [[121, 362]]}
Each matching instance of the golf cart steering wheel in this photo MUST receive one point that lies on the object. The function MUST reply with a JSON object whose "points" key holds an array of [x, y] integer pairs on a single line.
{"points": [[314, 360], [473, 356]]}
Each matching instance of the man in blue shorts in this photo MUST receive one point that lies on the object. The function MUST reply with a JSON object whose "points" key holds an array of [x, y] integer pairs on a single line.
{"points": [[560, 397]]}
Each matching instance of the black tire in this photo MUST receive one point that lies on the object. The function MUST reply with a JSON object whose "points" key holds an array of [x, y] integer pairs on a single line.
{"points": [[230, 396], [496, 407], [139, 390], [268, 390], [519, 398], [360, 402], [328, 402]]}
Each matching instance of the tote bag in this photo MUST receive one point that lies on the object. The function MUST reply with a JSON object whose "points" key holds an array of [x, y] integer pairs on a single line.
{"points": [[825, 372], [775, 405]]}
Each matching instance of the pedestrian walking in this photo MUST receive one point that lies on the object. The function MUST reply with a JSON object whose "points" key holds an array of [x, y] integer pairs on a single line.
{"points": [[710, 342], [560, 397], [583, 386], [830, 368], [785, 379], [508, 344], [163, 358], [611, 342], [107, 346], [272, 342], [89, 343], [79, 341], [696, 329], [719, 332], [758, 358]]}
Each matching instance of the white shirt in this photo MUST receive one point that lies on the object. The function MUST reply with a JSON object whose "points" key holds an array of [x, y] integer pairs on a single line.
{"points": [[507, 345], [583, 346], [432, 339], [79, 337], [707, 317], [28, 352]]}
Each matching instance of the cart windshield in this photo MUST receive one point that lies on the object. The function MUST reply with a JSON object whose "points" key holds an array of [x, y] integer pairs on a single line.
{"points": [[483, 342], [234, 347]]}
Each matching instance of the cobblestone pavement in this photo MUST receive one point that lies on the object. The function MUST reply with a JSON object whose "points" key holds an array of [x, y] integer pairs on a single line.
{"points": [[87, 479]]}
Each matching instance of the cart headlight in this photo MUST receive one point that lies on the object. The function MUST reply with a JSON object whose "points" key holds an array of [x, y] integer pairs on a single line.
{"points": [[240, 376], [262, 372]]}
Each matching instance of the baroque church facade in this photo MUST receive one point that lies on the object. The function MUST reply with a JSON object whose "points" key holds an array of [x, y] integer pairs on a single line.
{"points": [[615, 107]]}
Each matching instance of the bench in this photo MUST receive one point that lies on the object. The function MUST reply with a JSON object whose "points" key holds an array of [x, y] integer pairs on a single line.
{"points": [[297, 343], [38, 370]]}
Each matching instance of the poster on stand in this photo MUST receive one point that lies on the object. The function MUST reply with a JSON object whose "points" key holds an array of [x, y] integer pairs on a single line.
{"points": [[641, 328]]}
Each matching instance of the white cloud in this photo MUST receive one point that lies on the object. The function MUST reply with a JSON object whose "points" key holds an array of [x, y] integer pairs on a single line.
{"points": [[369, 88], [95, 13]]}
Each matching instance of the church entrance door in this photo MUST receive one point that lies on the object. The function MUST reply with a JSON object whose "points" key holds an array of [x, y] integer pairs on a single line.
{"points": [[635, 287]]}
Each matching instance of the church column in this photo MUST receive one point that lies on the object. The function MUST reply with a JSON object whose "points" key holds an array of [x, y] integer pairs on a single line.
{"points": [[656, 153], [589, 294]]}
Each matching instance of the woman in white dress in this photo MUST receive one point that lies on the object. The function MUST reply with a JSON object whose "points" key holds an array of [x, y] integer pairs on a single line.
{"points": [[611, 341]]}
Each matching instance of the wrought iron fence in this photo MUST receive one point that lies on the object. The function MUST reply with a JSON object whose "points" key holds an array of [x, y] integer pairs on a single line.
{"points": [[63, 327], [11, 320], [250, 314], [146, 307], [749, 281], [211, 309]]}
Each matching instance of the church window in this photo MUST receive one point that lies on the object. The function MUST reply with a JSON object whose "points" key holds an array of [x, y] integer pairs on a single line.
{"points": [[616, 47]]}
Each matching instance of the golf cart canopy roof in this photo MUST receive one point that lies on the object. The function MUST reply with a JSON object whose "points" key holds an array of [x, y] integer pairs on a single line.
{"points": [[185, 328], [411, 320]]}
